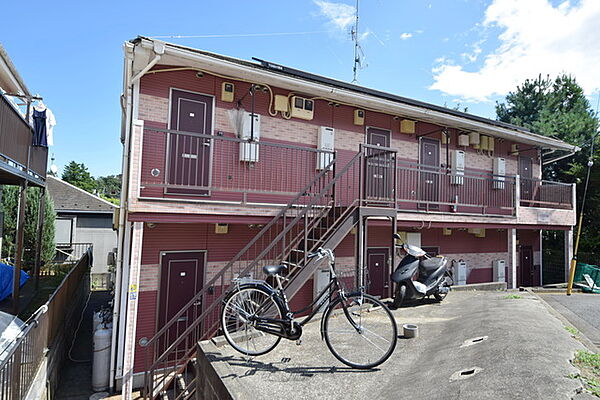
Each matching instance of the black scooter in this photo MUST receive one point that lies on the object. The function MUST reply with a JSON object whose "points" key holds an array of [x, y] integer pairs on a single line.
{"points": [[419, 275]]}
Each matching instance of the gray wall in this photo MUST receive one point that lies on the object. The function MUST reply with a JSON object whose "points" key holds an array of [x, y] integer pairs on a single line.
{"points": [[89, 228]]}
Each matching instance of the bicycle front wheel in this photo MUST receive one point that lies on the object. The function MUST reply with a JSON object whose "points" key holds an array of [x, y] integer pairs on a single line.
{"points": [[237, 317], [362, 334]]}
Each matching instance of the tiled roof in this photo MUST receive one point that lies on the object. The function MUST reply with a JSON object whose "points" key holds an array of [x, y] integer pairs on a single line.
{"points": [[67, 197]]}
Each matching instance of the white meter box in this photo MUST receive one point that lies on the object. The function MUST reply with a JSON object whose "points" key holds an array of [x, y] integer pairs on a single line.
{"points": [[326, 142], [249, 151]]}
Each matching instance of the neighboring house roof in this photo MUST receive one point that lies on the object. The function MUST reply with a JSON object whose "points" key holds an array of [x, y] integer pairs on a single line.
{"points": [[425, 110], [70, 198]]}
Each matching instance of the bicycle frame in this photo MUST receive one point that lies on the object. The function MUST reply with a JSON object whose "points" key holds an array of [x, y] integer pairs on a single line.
{"points": [[292, 330]]}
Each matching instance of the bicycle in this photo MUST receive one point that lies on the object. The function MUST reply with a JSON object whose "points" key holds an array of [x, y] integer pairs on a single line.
{"points": [[359, 330]]}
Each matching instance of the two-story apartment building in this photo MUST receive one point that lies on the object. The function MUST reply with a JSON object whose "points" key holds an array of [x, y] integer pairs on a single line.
{"points": [[229, 165]]}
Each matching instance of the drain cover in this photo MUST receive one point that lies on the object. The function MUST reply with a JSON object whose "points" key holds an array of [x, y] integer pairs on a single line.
{"points": [[471, 342], [465, 373]]}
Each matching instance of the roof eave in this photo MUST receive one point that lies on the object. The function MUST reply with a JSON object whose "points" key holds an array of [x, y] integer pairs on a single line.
{"points": [[238, 68]]}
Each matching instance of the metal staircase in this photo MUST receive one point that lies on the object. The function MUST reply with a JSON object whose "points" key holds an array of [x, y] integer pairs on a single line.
{"points": [[321, 215]]}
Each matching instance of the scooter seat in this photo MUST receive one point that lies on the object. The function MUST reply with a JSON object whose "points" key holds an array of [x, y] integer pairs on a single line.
{"points": [[431, 264], [272, 270]]}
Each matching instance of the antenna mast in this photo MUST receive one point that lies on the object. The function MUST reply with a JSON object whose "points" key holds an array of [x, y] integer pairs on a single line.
{"points": [[356, 46]]}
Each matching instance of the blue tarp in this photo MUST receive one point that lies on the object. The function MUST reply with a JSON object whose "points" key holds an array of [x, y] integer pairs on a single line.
{"points": [[6, 280]]}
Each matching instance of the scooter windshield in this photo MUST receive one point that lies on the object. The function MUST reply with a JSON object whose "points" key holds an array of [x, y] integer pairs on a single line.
{"points": [[414, 250]]}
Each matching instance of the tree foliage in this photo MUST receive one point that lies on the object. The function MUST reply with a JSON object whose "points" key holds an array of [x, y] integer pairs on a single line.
{"points": [[558, 108], [9, 205], [78, 175], [109, 187]]}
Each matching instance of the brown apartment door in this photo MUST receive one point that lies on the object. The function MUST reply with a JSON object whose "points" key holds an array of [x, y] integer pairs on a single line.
{"points": [[526, 264], [429, 178], [526, 175], [377, 265], [188, 154], [379, 177], [182, 276]]}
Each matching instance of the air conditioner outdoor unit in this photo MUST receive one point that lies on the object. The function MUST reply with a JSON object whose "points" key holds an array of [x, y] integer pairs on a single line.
{"points": [[499, 270]]}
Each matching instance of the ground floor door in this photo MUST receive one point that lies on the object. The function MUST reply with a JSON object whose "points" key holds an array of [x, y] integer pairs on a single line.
{"points": [[526, 266], [182, 276], [379, 272]]}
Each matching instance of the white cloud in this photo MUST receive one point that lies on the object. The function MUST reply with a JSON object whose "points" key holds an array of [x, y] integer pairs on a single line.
{"points": [[536, 38], [340, 15], [406, 35]]}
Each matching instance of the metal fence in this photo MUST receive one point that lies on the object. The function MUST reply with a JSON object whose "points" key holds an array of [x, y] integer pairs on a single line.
{"points": [[20, 362], [546, 194], [428, 188]]}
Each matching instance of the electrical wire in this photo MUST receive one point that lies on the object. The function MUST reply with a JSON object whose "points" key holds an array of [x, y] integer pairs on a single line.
{"points": [[236, 35]]}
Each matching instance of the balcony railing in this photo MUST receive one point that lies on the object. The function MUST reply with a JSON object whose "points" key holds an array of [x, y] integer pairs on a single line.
{"points": [[433, 189], [546, 194], [16, 150], [223, 168], [192, 165]]}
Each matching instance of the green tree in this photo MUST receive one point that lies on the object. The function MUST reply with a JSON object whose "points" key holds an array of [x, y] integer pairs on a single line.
{"points": [[558, 108], [78, 175], [109, 187], [9, 205]]}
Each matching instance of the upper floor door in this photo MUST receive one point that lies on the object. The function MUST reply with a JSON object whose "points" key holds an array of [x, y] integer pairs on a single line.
{"points": [[188, 162], [526, 175], [380, 175], [429, 177]]}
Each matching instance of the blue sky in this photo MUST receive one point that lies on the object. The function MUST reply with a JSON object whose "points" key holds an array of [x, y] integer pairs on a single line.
{"points": [[470, 52]]}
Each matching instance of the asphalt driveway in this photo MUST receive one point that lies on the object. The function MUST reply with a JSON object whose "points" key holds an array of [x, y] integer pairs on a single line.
{"points": [[525, 356]]}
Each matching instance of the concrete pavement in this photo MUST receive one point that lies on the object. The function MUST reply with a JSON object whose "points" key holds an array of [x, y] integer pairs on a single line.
{"points": [[582, 310], [526, 356]]}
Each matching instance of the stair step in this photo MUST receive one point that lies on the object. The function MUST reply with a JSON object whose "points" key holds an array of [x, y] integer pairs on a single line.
{"points": [[164, 395], [182, 385]]}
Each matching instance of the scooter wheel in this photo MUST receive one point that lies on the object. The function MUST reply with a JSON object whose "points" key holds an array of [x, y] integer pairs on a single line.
{"points": [[440, 296], [400, 295]]}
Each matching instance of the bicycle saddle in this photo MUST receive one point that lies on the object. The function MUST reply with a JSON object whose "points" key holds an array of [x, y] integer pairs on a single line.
{"points": [[272, 270]]}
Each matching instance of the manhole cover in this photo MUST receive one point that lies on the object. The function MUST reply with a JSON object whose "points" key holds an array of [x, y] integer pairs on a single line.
{"points": [[471, 342], [465, 373]]}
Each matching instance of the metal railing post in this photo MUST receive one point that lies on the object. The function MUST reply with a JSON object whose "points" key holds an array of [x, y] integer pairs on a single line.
{"points": [[517, 195]]}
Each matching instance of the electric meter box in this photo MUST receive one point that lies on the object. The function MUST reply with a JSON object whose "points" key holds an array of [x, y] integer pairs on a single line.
{"points": [[491, 143], [499, 171], [474, 139], [227, 92], [514, 149], [483, 142], [499, 270], [359, 117], [302, 108], [281, 103], [407, 126], [463, 140], [326, 142]]}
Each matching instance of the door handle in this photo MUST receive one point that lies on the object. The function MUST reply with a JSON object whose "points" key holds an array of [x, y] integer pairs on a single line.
{"points": [[182, 319]]}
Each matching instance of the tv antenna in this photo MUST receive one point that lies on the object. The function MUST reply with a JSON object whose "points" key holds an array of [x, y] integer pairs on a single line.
{"points": [[357, 49]]}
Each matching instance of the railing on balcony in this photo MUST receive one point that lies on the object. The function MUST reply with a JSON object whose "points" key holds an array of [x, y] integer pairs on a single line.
{"points": [[426, 188], [223, 168], [546, 194], [185, 164], [16, 137]]}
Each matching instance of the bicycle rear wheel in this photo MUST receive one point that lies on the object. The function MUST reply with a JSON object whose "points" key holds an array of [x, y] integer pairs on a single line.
{"points": [[238, 327], [365, 336]]}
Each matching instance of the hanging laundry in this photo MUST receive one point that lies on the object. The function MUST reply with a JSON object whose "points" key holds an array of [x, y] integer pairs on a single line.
{"points": [[39, 128], [43, 122]]}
